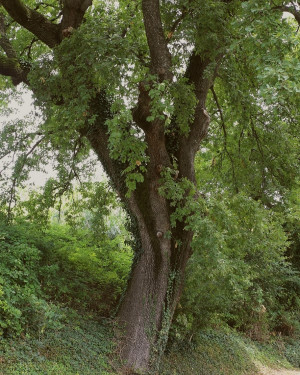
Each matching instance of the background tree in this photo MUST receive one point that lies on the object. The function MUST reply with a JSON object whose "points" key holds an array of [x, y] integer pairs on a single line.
{"points": [[133, 80]]}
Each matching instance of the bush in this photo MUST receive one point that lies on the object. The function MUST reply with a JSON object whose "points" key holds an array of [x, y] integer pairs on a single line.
{"points": [[41, 269], [238, 273], [81, 272], [22, 303]]}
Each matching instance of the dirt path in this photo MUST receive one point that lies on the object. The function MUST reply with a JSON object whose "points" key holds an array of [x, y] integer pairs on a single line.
{"points": [[270, 371]]}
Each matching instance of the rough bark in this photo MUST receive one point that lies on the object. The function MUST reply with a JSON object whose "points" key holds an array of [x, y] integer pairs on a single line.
{"points": [[73, 12], [159, 52], [45, 30], [158, 271]]}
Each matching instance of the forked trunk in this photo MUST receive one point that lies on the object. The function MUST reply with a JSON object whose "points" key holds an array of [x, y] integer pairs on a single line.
{"points": [[161, 251]]}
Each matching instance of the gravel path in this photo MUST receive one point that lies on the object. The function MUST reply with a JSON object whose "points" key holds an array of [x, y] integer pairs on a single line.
{"points": [[270, 371]]}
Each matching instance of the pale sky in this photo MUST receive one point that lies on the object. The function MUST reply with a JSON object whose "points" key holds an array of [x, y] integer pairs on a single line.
{"points": [[21, 109]]}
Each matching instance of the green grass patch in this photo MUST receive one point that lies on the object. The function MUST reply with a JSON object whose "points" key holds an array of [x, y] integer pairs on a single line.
{"points": [[81, 347], [229, 353], [212, 353], [85, 347]]}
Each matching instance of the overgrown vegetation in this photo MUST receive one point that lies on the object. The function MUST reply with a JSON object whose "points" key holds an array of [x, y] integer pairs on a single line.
{"points": [[192, 109], [44, 266], [60, 280], [79, 346]]}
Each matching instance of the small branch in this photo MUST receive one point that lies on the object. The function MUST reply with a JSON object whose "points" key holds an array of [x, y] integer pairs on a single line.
{"points": [[175, 24], [220, 112], [223, 125], [17, 174], [28, 48]]}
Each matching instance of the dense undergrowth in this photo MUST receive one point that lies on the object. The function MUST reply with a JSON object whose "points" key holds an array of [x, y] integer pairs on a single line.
{"points": [[83, 346], [80, 346], [61, 282], [42, 270]]}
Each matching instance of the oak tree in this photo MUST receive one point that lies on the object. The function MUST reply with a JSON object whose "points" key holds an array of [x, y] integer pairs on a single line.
{"points": [[133, 81]]}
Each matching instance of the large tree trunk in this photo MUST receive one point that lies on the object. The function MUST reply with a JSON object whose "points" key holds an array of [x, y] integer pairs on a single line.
{"points": [[161, 252], [154, 287]]}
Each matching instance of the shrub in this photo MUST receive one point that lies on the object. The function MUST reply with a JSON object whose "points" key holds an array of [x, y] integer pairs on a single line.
{"points": [[81, 272], [22, 303], [238, 273]]}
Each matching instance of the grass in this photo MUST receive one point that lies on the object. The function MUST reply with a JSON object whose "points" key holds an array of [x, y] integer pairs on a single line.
{"points": [[83, 347], [229, 353], [213, 353]]}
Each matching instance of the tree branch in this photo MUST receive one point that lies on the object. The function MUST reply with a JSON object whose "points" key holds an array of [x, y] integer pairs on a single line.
{"points": [[40, 26], [176, 23], [73, 13], [98, 137], [189, 144], [202, 84], [291, 10], [10, 67], [4, 41], [159, 52], [23, 159]]}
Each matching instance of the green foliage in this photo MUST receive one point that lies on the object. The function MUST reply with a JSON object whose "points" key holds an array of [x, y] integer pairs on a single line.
{"points": [[253, 143], [184, 104], [212, 353], [291, 350], [22, 305], [127, 145], [83, 263], [238, 272], [82, 346], [82, 273]]}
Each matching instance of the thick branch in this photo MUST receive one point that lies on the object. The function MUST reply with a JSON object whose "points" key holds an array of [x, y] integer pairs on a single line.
{"points": [[189, 144], [40, 26], [195, 74], [73, 12], [4, 41], [10, 67], [159, 52], [97, 135]]}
